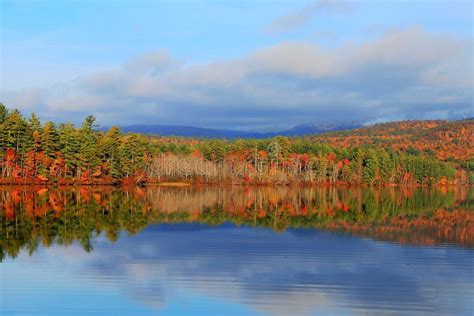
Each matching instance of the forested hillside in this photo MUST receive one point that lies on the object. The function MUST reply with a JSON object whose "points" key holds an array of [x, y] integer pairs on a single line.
{"points": [[447, 140], [32, 152]]}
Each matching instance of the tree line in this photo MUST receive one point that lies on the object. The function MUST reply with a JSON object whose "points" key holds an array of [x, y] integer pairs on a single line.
{"points": [[32, 151]]}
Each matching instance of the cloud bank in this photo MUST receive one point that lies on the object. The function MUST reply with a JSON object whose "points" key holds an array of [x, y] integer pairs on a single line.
{"points": [[406, 73]]}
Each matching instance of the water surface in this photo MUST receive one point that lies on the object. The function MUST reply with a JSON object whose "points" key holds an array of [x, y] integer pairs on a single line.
{"points": [[236, 250]]}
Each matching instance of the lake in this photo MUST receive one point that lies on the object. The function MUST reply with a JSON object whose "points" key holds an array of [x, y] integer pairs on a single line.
{"points": [[236, 250]]}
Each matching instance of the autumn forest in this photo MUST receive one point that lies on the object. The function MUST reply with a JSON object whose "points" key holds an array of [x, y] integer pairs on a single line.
{"points": [[404, 153]]}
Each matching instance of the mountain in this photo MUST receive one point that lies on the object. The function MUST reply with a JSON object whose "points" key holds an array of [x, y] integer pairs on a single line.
{"points": [[191, 131], [186, 131], [311, 129]]}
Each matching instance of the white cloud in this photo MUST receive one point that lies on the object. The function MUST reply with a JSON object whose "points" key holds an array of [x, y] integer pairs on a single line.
{"points": [[403, 74]]}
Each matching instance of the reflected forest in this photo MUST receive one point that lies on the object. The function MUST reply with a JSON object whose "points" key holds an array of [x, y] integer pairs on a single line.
{"points": [[67, 215]]}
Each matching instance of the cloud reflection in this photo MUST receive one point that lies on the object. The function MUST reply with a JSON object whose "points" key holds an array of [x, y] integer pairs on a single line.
{"points": [[284, 273]]}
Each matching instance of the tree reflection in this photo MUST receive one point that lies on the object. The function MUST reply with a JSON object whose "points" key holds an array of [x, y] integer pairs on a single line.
{"points": [[66, 215]]}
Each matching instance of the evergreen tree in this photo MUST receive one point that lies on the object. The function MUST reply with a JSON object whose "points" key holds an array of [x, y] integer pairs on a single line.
{"points": [[49, 140], [111, 145], [3, 113], [14, 130], [357, 161], [370, 167], [88, 155], [386, 167], [35, 122], [69, 145]]}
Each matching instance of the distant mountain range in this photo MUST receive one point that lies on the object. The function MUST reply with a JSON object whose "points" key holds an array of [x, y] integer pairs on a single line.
{"points": [[191, 131]]}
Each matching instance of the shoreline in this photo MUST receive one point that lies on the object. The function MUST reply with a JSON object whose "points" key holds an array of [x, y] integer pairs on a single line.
{"points": [[180, 183]]}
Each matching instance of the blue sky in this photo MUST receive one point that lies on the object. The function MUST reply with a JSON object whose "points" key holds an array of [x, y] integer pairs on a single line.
{"points": [[238, 64]]}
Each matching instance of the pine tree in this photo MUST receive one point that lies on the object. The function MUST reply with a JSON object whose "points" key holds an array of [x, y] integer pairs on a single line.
{"points": [[111, 151], [3, 113], [35, 122], [357, 161], [3, 116], [88, 155], [386, 167], [49, 140], [14, 133], [69, 145], [370, 167], [126, 154]]}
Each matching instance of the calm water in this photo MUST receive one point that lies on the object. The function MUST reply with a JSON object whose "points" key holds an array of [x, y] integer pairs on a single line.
{"points": [[236, 251]]}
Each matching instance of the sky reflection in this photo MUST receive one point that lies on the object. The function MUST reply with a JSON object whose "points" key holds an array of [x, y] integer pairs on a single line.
{"points": [[196, 269]]}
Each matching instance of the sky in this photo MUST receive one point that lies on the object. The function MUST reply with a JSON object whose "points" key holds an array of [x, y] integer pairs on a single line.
{"points": [[237, 64]]}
